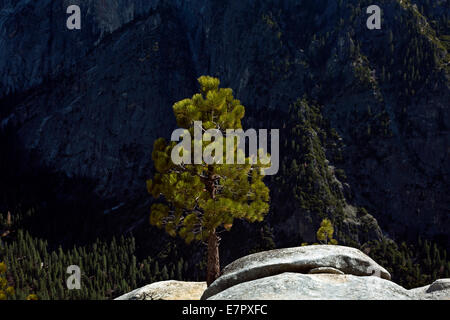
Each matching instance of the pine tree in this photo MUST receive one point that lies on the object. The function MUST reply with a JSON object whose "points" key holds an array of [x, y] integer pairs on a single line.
{"points": [[325, 232], [202, 199]]}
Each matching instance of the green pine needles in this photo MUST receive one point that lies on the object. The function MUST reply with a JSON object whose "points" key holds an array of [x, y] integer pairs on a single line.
{"points": [[200, 199], [325, 232]]}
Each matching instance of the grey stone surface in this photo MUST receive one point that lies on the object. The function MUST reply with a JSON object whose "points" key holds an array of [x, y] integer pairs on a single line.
{"points": [[167, 290], [298, 259], [328, 270], [438, 290], [295, 286], [439, 285]]}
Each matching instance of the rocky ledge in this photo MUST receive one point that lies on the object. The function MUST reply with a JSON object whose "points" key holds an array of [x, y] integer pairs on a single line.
{"points": [[318, 272], [167, 290], [297, 286], [301, 260]]}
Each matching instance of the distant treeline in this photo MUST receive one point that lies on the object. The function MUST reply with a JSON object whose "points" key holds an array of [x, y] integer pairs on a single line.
{"points": [[108, 269], [411, 266]]}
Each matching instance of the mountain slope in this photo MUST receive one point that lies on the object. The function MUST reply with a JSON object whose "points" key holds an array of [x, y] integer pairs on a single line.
{"points": [[90, 104]]}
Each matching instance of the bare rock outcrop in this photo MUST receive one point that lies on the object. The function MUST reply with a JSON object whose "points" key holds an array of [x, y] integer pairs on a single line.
{"points": [[167, 290], [297, 286], [348, 260], [317, 272]]}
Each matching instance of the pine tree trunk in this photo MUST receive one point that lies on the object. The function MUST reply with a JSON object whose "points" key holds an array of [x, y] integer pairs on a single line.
{"points": [[213, 269]]}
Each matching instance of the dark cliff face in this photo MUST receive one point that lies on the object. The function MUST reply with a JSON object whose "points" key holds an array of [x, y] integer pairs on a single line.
{"points": [[90, 103]]}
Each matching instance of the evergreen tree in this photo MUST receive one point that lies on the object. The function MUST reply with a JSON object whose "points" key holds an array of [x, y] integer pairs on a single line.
{"points": [[200, 199], [325, 232]]}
